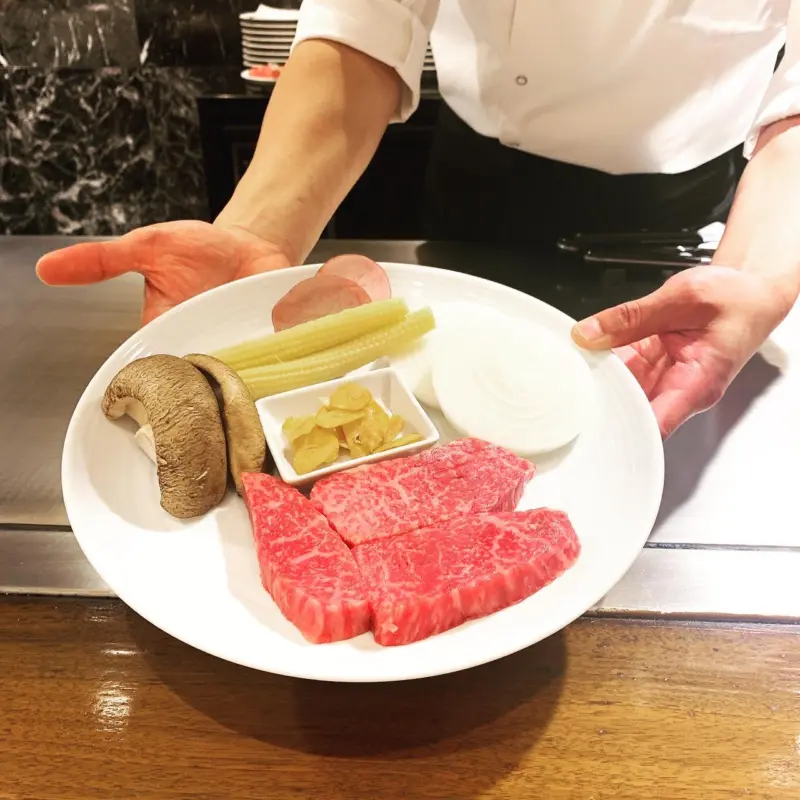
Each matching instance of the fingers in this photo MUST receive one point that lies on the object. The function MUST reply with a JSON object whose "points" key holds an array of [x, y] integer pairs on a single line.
{"points": [[648, 362], [686, 389], [683, 303], [672, 408], [81, 264], [626, 323], [155, 304]]}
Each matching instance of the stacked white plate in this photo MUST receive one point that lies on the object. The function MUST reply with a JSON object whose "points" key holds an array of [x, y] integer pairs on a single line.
{"points": [[268, 33]]}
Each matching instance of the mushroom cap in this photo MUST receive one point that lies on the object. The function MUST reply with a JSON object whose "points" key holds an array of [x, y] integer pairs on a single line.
{"points": [[247, 448], [174, 398]]}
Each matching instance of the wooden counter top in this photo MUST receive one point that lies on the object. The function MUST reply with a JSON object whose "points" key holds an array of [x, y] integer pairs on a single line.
{"points": [[96, 703]]}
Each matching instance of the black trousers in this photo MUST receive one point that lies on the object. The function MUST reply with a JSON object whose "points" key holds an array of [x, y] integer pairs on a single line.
{"points": [[480, 190]]}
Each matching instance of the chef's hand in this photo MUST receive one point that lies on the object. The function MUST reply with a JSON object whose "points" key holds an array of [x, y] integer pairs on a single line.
{"points": [[177, 259], [688, 340]]}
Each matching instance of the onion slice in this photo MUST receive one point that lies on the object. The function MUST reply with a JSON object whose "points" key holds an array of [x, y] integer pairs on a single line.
{"points": [[415, 363], [514, 384]]}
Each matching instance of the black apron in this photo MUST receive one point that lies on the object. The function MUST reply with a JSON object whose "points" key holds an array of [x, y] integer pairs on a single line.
{"points": [[480, 190]]}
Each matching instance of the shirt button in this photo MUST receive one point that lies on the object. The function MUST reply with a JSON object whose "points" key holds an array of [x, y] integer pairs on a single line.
{"points": [[521, 80]]}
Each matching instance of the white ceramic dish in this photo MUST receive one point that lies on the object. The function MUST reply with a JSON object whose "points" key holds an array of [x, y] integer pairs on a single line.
{"points": [[279, 35], [386, 388], [284, 47], [245, 74], [268, 30], [257, 61], [266, 44], [199, 580], [268, 27], [267, 41], [260, 51], [273, 55], [253, 64], [269, 15]]}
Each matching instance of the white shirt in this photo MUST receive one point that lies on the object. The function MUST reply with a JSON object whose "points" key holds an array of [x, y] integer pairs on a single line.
{"points": [[619, 85]]}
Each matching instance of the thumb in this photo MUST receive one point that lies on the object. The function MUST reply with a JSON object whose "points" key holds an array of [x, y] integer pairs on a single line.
{"points": [[674, 407], [89, 262], [632, 321]]}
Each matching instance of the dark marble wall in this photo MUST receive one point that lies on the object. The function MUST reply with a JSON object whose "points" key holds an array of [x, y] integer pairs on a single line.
{"points": [[98, 121]]}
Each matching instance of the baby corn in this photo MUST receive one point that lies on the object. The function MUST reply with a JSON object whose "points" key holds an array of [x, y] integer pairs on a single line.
{"points": [[337, 361], [312, 337]]}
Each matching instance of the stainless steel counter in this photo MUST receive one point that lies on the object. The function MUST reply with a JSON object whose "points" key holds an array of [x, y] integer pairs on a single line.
{"points": [[727, 541]]}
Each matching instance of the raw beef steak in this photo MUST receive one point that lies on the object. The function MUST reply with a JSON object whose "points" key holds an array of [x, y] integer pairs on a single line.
{"points": [[305, 566], [428, 581], [467, 476]]}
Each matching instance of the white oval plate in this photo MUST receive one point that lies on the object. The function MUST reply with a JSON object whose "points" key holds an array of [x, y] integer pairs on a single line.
{"points": [[199, 580]]}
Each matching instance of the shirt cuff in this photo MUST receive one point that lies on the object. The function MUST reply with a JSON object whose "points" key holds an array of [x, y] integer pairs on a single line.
{"points": [[782, 101], [385, 30], [782, 98]]}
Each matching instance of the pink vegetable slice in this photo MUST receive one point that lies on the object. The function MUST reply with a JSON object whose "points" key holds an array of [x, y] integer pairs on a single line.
{"points": [[363, 271], [317, 297]]}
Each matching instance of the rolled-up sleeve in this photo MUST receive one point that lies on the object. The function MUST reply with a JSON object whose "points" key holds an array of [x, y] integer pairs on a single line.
{"points": [[782, 98], [394, 32]]}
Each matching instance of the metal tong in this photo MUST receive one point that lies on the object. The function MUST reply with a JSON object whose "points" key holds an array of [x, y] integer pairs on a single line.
{"points": [[667, 249]]}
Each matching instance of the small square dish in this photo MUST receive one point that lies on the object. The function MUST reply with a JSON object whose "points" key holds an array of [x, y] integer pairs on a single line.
{"points": [[386, 388]]}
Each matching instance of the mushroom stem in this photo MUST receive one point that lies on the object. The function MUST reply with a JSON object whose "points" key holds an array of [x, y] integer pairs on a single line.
{"points": [[146, 441]]}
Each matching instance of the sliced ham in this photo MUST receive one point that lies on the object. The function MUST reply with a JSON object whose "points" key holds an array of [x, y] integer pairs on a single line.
{"points": [[317, 297], [363, 271]]}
